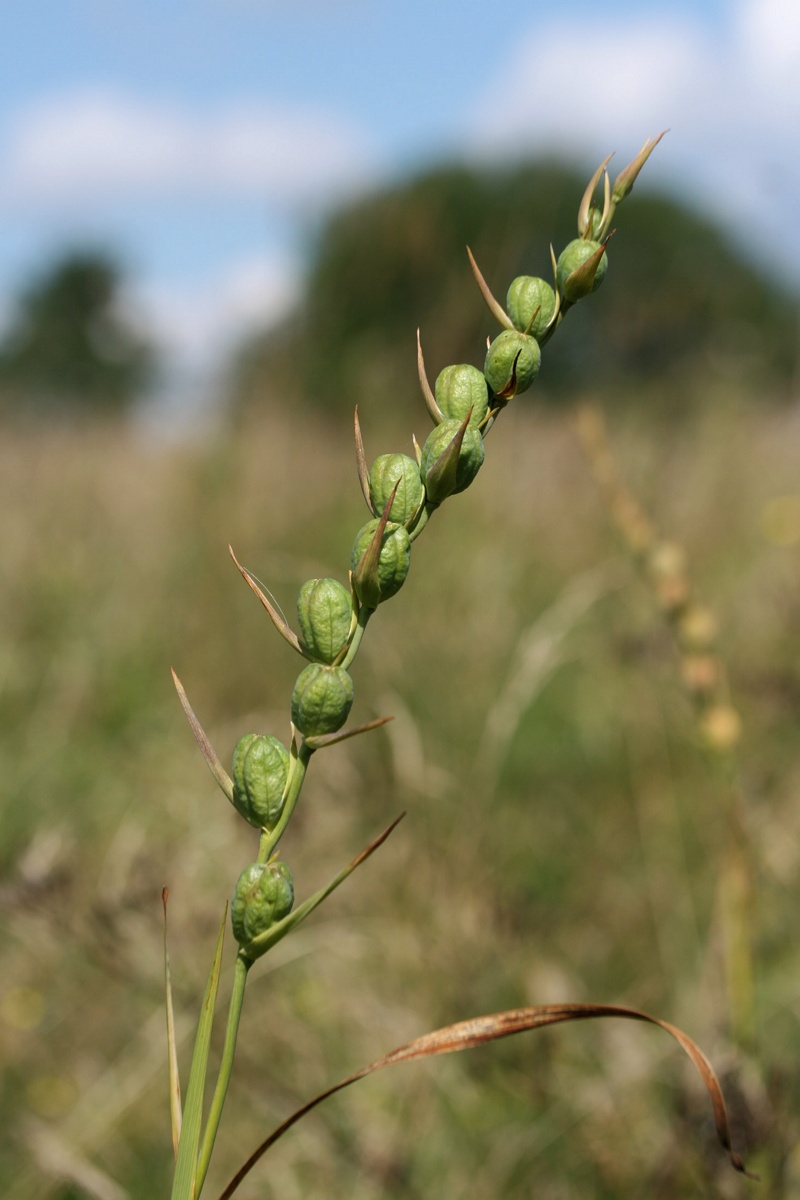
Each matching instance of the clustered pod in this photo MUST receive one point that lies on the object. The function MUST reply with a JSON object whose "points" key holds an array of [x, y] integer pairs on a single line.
{"points": [[324, 613], [580, 270], [264, 895], [376, 580], [512, 356], [530, 304], [442, 472], [462, 389], [388, 471], [260, 771], [321, 700]]}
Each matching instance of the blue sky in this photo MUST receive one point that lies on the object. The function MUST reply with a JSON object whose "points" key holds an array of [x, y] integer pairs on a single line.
{"points": [[202, 139]]}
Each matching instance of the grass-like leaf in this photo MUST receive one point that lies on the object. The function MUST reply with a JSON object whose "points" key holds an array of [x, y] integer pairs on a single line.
{"points": [[174, 1076], [465, 1035], [183, 1185], [265, 941]]}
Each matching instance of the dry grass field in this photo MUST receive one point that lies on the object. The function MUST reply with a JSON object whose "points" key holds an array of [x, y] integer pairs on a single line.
{"points": [[564, 834]]}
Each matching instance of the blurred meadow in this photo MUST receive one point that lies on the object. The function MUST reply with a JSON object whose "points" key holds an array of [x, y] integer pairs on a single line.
{"points": [[565, 831]]}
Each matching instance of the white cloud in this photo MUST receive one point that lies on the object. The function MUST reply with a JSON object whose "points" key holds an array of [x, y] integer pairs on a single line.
{"points": [[98, 147], [195, 326], [730, 96]]}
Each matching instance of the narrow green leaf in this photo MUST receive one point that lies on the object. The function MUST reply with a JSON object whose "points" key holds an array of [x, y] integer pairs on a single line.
{"points": [[174, 1076], [266, 940], [330, 739], [183, 1185]]}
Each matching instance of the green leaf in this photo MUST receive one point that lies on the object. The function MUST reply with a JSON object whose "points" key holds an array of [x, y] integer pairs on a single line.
{"points": [[266, 940], [174, 1077], [183, 1185]]}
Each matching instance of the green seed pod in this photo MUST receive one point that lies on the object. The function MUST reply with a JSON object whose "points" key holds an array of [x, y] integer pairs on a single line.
{"points": [[324, 613], [260, 770], [499, 365], [264, 895], [377, 580], [391, 469], [459, 389], [322, 699], [531, 302], [441, 483], [577, 277]]}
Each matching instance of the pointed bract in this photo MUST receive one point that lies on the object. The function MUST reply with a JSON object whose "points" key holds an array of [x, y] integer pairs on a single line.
{"points": [[623, 184], [282, 626]]}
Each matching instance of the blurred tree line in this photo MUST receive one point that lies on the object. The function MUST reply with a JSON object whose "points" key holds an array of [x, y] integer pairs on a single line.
{"points": [[686, 303], [70, 347]]}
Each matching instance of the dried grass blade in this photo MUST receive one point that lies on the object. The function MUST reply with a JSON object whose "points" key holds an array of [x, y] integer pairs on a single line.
{"points": [[466, 1035]]}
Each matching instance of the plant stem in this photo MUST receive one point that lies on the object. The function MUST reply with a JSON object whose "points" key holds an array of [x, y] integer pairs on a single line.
{"points": [[363, 616], [225, 1069], [270, 838]]}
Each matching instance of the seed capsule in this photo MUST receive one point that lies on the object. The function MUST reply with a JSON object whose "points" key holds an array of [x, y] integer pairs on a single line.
{"points": [[512, 354], [391, 469], [322, 699], [460, 388], [324, 613], [437, 464], [264, 895], [376, 580], [576, 275], [260, 769], [531, 303]]}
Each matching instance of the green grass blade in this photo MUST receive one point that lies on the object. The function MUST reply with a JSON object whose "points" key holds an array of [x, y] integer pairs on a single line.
{"points": [[174, 1076], [265, 941], [183, 1186]]}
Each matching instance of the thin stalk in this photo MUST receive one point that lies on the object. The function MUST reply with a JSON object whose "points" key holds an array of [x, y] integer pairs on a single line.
{"points": [[225, 1069], [270, 838], [352, 650]]}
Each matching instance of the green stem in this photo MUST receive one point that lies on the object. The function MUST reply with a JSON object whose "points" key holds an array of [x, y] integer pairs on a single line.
{"points": [[225, 1068], [352, 650], [270, 838]]}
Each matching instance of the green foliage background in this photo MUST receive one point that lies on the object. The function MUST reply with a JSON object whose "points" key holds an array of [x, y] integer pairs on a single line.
{"points": [[569, 851]]}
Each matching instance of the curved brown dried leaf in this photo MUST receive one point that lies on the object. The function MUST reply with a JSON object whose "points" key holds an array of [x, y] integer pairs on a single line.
{"points": [[478, 1030]]}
